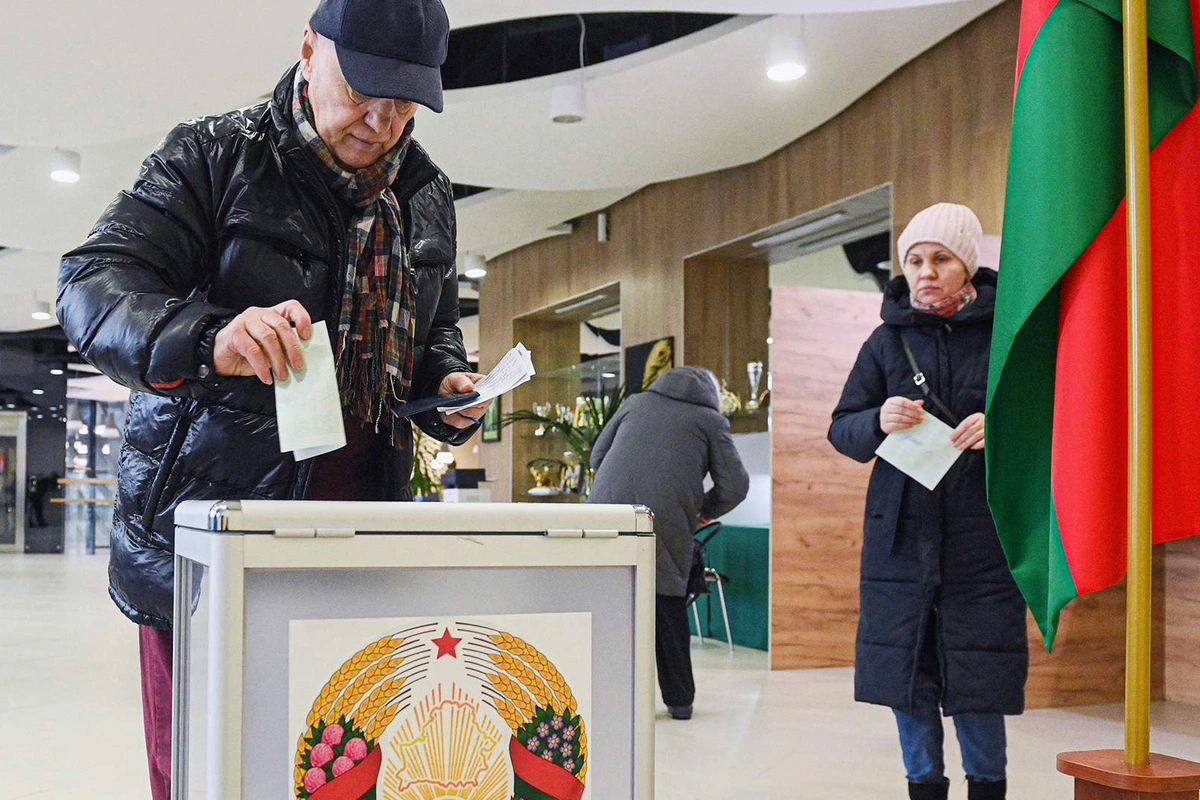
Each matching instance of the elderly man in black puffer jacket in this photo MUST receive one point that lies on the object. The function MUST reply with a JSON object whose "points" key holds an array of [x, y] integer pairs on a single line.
{"points": [[241, 231]]}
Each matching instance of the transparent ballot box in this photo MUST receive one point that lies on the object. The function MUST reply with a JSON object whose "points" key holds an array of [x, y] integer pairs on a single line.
{"points": [[395, 651]]}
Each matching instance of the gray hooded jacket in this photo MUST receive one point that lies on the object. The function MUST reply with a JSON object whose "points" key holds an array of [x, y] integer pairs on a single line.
{"points": [[656, 451]]}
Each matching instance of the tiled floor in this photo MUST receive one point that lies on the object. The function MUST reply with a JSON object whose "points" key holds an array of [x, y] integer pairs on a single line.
{"points": [[70, 715]]}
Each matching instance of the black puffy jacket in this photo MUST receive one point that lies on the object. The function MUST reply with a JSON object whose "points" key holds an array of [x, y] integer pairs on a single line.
{"points": [[231, 212], [934, 579]]}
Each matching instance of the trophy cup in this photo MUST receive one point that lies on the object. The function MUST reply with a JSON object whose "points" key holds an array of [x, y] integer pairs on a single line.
{"points": [[754, 373], [542, 410]]}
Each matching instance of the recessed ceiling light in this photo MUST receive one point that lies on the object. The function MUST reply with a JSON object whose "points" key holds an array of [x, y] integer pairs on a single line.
{"points": [[57, 371], [39, 391]]}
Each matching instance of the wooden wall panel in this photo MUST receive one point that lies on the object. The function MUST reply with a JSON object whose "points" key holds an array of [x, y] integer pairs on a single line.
{"points": [[1183, 620], [817, 494], [727, 316]]}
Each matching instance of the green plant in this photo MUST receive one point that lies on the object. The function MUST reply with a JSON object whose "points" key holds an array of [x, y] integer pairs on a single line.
{"points": [[595, 413], [425, 479]]}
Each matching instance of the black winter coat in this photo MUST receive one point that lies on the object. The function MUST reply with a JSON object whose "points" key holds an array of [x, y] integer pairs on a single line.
{"points": [[932, 565], [231, 212]]}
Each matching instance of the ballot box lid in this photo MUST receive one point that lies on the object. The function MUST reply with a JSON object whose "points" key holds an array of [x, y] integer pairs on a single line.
{"points": [[273, 516]]}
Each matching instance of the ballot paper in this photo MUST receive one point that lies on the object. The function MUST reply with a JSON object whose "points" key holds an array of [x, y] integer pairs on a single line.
{"points": [[923, 452], [514, 369], [307, 405]]}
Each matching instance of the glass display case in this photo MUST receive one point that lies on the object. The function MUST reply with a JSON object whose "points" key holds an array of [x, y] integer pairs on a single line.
{"points": [[563, 413]]}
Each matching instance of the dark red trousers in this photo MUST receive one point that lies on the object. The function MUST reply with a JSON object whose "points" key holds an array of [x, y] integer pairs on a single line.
{"points": [[156, 652]]}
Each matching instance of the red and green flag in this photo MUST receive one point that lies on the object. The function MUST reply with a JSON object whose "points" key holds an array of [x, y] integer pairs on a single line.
{"points": [[1057, 398]]}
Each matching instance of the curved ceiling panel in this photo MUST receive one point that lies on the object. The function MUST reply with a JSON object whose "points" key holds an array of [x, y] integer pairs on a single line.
{"points": [[99, 72], [500, 220], [480, 12], [680, 109]]}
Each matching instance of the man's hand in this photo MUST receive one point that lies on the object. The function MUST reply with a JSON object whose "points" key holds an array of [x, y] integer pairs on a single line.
{"points": [[461, 383], [969, 433], [900, 413], [262, 342]]}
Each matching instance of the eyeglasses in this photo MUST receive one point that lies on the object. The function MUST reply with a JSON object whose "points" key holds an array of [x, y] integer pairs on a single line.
{"points": [[399, 106]]}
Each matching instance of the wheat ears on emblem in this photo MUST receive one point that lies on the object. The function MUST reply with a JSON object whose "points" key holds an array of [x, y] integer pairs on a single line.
{"points": [[538, 704], [352, 711]]}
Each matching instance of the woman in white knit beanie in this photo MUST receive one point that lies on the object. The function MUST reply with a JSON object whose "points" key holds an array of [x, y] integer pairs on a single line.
{"points": [[941, 623]]}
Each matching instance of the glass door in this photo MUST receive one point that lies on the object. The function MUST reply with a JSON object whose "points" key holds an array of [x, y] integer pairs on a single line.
{"points": [[12, 482]]}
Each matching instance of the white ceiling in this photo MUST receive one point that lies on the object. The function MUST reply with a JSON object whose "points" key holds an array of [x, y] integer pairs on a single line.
{"points": [[109, 79]]}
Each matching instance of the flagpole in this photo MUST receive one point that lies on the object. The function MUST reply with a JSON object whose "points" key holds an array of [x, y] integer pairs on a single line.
{"points": [[1137, 167]]}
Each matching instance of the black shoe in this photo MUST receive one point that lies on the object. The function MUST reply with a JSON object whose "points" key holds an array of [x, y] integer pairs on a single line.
{"points": [[680, 712], [986, 790], [928, 791]]}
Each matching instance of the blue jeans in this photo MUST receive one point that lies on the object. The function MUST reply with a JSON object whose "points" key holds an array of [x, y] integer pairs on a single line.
{"points": [[981, 738]]}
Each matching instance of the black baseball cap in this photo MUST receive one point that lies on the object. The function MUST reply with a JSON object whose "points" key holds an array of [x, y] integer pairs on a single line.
{"points": [[388, 48]]}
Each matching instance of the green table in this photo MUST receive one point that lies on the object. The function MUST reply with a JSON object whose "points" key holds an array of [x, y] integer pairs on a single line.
{"points": [[743, 553]]}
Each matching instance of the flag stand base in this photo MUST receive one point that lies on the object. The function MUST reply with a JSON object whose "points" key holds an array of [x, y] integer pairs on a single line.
{"points": [[1104, 775]]}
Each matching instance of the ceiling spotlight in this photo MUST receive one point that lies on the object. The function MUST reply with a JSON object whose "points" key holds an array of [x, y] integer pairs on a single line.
{"points": [[64, 166], [57, 371], [40, 310], [476, 266], [786, 59], [39, 391], [568, 103]]}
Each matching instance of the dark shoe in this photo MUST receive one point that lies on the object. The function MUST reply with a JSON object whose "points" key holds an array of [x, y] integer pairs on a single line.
{"points": [[929, 791], [989, 790], [680, 712]]}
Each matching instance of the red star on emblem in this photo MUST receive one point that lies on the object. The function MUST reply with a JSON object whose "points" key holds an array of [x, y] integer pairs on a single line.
{"points": [[446, 644]]}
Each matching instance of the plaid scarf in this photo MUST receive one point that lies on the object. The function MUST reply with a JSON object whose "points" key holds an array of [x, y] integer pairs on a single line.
{"points": [[377, 318], [950, 305]]}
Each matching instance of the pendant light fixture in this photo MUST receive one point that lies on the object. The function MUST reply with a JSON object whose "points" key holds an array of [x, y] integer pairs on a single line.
{"points": [[65, 166], [787, 58], [568, 101]]}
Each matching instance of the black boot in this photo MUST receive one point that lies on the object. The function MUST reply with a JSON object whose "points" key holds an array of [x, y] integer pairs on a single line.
{"points": [[986, 790], [929, 791]]}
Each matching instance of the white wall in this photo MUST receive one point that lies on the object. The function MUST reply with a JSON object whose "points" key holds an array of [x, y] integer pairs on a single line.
{"points": [[825, 269]]}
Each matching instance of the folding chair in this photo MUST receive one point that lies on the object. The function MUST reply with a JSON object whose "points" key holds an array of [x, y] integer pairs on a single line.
{"points": [[703, 536]]}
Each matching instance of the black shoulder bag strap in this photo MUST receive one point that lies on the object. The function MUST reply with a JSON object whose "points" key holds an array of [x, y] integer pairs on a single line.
{"points": [[919, 380]]}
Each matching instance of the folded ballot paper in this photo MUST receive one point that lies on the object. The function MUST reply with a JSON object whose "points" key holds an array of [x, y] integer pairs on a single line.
{"points": [[514, 369]]}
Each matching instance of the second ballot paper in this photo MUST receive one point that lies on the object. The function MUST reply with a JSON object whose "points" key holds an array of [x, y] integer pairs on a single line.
{"points": [[514, 369]]}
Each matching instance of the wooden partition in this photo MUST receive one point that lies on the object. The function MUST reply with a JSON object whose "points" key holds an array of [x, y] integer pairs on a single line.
{"points": [[726, 322], [1182, 579], [817, 494]]}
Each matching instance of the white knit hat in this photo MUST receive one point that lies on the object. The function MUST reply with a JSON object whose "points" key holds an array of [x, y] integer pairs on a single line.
{"points": [[951, 225]]}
